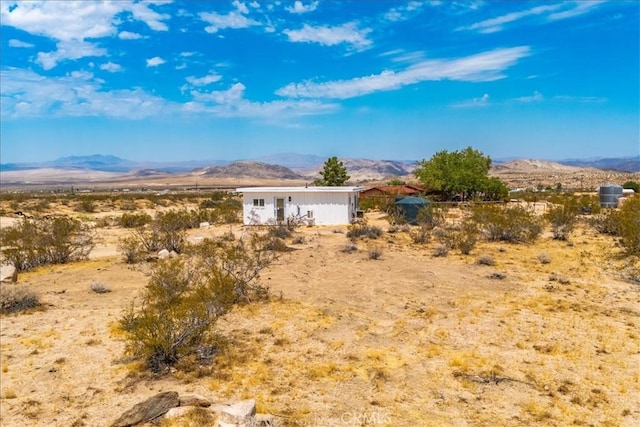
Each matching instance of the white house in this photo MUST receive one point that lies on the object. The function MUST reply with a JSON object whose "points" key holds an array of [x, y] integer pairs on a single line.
{"points": [[318, 205]]}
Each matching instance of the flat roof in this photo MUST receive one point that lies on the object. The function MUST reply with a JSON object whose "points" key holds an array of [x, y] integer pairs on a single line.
{"points": [[299, 189]]}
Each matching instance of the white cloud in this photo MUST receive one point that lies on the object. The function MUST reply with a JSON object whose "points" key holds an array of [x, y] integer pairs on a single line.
{"points": [[579, 8], [234, 20], [581, 99], [551, 12], [330, 36], [485, 66], [231, 103], [73, 22], [72, 49], [19, 43], [155, 61], [240, 7], [128, 35], [536, 97], [404, 12], [483, 101], [203, 81], [27, 94], [299, 7], [111, 67], [496, 24], [254, 4]]}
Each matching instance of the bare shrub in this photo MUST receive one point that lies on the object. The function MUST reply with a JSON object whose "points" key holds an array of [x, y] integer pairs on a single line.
{"points": [[441, 250], [298, 240], [544, 258], [349, 248], [99, 288], [466, 236], [280, 231], [497, 276], [14, 299], [364, 230], [421, 234], [375, 253], [485, 259]]}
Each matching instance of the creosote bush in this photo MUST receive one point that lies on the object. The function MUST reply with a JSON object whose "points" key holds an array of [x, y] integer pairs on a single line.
{"points": [[507, 223], [485, 259], [563, 219], [32, 243], [184, 299]]}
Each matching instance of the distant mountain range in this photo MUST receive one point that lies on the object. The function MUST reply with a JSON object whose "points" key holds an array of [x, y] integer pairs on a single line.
{"points": [[284, 165]]}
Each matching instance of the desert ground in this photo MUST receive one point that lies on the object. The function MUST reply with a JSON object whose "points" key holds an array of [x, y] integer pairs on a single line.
{"points": [[408, 339]]}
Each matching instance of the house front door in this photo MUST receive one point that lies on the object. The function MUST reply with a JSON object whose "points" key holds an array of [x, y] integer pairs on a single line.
{"points": [[279, 209]]}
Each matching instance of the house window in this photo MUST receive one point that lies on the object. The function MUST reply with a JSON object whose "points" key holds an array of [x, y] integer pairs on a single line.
{"points": [[258, 203], [309, 214]]}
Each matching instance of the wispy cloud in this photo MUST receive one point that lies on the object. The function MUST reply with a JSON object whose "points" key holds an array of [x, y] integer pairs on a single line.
{"points": [[299, 7], [581, 99], [19, 43], [404, 12], [27, 94], [486, 66], [347, 33], [536, 97], [483, 101], [155, 61], [231, 103], [547, 12]]}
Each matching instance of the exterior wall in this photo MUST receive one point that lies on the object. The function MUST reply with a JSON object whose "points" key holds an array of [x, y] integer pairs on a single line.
{"points": [[326, 208]]}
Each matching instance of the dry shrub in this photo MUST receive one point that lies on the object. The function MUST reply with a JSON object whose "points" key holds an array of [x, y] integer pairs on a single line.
{"points": [[507, 223], [544, 258], [375, 253], [421, 234], [173, 325], [485, 259], [349, 248], [131, 249], [364, 230], [14, 299], [563, 219], [134, 219], [99, 288], [441, 250], [32, 243]]}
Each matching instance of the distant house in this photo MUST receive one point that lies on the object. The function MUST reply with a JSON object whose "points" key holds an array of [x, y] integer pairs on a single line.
{"points": [[383, 194], [317, 205]]}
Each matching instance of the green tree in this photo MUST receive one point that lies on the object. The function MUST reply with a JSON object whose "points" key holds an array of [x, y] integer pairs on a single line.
{"points": [[632, 185], [464, 171], [333, 174]]}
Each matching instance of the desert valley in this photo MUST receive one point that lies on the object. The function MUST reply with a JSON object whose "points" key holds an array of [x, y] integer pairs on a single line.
{"points": [[381, 328]]}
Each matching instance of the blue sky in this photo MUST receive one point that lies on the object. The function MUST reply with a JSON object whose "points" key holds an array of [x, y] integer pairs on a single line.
{"points": [[192, 80]]}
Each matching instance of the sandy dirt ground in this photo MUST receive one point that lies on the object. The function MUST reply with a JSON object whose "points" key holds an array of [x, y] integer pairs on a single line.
{"points": [[405, 340]]}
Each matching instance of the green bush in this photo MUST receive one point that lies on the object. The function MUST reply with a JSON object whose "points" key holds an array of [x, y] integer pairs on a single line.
{"points": [[134, 219], [507, 223], [563, 219], [627, 221], [131, 249], [183, 300], [32, 243]]}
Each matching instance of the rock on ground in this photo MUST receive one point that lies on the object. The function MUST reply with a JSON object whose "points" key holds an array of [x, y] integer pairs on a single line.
{"points": [[148, 409]]}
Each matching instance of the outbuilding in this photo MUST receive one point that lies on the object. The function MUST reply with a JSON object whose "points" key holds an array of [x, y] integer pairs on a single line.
{"points": [[314, 205], [409, 207]]}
